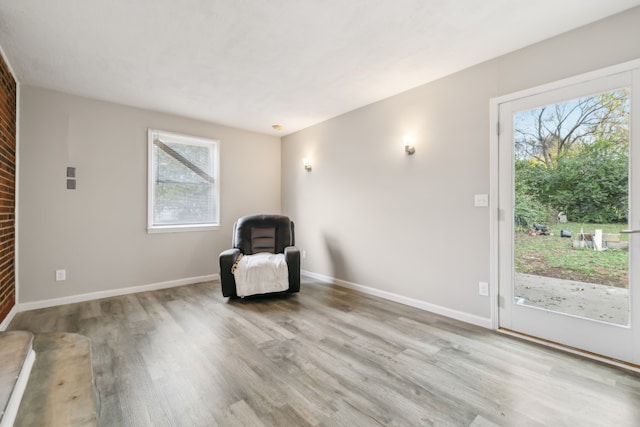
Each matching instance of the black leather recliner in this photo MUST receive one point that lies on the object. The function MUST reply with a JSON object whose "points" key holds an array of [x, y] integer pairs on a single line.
{"points": [[261, 233]]}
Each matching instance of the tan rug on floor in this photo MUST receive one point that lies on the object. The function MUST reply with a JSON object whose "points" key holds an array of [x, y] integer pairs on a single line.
{"points": [[60, 391]]}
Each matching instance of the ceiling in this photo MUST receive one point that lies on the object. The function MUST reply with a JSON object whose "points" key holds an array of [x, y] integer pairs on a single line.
{"points": [[254, 63]]}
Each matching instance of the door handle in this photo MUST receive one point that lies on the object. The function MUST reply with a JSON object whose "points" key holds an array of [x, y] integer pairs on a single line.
{"points": [[630, 231]]}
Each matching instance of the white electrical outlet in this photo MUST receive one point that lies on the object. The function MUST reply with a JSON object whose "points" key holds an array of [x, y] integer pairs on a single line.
{"points": [[483, 289], [304, 254], [61, 275]]}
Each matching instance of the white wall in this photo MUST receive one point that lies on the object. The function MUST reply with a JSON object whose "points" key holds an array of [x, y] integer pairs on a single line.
{"points": [[371, 215], [98, 232]]}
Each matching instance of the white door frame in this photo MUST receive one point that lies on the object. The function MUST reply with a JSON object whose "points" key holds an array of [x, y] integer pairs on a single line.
{"points": [[494, 213]]}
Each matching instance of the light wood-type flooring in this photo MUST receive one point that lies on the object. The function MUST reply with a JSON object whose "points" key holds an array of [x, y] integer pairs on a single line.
{"points": [[327, 356]]}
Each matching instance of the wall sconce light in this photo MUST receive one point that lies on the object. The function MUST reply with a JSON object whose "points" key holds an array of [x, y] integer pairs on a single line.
{"points": [[408, 142], [307, 164]]}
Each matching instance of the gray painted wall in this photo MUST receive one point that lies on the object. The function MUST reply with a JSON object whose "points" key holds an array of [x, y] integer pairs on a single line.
{"points": [[98, 232], [371, 215], [367, 214]]}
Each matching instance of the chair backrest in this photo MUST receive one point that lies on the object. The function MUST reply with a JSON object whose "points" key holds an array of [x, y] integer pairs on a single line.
{"points": [[263, 233]]}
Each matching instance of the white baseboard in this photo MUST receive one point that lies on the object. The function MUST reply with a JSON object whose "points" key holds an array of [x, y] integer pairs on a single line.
{"points": [[5, 323], [113, 293], [412, 302]]}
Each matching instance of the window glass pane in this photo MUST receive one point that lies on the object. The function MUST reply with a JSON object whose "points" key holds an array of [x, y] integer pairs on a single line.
{"points": [[183, 180], [571, 192]]}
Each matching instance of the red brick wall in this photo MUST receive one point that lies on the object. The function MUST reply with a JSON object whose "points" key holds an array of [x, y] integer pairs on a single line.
{"points": [[7, 189]]}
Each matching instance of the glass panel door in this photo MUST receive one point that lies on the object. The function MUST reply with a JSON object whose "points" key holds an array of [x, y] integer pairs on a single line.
{"points": [[565, 193]]}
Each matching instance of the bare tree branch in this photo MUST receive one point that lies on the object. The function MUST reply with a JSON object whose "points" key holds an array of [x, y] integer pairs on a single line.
{"points": [[552, 131]]}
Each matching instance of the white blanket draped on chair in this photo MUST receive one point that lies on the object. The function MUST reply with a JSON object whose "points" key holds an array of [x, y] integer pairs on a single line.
{"points": [[260, 274]]}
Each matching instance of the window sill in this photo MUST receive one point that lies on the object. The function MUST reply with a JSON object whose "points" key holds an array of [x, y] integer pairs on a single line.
{"points": [[181, 228]]}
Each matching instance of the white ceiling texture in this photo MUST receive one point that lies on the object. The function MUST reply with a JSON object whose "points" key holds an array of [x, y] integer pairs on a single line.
{"points": [[254, 63]]}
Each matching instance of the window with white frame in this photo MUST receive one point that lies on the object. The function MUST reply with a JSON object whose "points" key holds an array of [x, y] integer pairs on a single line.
{"points": [[183, 182]]}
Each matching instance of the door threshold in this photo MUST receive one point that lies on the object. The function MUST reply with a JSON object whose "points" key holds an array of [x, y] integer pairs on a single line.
{"points": [[572, 350]]}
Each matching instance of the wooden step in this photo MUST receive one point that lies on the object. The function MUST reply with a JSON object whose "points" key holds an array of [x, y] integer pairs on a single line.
{"points": [[16, 361], [60, 391]]}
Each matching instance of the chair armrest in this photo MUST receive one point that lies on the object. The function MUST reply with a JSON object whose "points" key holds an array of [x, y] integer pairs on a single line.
{"points": [[227, 281], [292, 257]]}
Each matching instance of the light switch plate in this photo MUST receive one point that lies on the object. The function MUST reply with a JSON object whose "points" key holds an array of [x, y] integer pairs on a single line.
{"points": [[483, 289], [481, 200]]}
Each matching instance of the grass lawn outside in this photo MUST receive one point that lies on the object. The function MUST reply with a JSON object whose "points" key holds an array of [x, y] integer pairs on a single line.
{"points": [[555, 256]]}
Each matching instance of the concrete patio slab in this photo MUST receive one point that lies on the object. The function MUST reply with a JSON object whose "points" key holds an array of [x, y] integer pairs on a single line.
{"points": [[597, 302]]}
